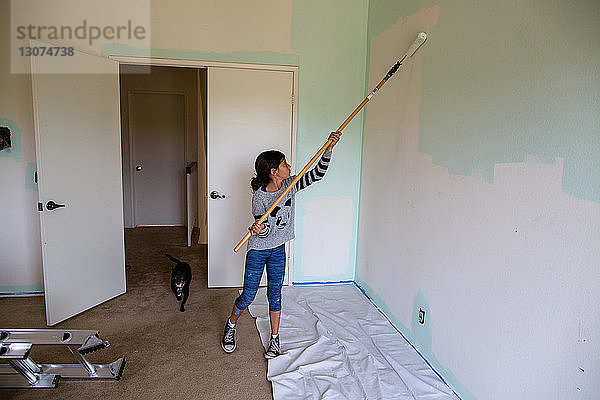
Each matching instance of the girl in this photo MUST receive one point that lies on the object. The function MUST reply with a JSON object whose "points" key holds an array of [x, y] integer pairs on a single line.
{"points": [[266, 245]]}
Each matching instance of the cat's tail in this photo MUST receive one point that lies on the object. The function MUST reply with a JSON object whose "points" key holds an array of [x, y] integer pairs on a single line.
{"points": [[173, 258]]}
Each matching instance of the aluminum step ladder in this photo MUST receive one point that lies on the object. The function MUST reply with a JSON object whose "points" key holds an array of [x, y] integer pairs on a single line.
{"points": [[22, 372]]}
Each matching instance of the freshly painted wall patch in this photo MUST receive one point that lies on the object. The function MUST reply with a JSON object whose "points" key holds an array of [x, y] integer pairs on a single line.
{"points": [[31, 177]]}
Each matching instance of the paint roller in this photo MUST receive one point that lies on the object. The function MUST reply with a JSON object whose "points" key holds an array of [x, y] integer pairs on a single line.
{"points": [[420, 39]]}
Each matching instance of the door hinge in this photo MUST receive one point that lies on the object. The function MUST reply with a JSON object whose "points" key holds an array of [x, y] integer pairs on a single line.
{"points": [[40, 207]]}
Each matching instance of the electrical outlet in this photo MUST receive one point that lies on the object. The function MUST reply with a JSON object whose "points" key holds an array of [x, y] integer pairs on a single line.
{"points": [[421, 316]]}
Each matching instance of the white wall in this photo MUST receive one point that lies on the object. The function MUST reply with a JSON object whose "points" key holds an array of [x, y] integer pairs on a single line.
{"points": [[472, 206]]}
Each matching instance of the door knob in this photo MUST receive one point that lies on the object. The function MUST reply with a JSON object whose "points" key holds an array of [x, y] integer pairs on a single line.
{"points": [[52, 205], [215, 195], [138, 168]]}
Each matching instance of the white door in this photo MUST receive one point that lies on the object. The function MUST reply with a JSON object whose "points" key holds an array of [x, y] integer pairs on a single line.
{"points": [[79, 166], [157, 129], [249, 111]]}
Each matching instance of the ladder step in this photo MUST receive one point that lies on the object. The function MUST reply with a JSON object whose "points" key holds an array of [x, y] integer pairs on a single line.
{"points": [[15, 351], [45, 336], [17, 381]]}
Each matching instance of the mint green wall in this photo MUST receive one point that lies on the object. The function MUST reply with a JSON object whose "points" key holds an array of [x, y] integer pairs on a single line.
{"points": [[488, 146], [526, 73], [329, 37], [484, 54]]}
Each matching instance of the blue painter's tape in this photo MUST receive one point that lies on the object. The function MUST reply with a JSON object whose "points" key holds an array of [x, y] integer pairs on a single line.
{"points": [[19, 294], [397, 330], [25, 290], [322, 283]]}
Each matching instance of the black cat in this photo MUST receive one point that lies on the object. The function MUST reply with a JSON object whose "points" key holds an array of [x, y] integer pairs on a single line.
{"points": [[181, 276]]}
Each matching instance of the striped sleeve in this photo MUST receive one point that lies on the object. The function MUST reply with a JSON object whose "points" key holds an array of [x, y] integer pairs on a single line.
{"points": [[315, 174]]}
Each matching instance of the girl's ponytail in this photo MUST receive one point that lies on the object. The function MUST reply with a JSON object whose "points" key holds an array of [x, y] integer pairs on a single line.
{"points": [[256, 183]]}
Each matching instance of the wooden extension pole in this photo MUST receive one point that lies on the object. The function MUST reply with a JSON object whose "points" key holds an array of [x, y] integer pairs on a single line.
{"points": [[421, 37]]}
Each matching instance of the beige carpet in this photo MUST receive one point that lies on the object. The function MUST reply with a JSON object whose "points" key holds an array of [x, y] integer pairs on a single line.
{"points": [[170, 354]]}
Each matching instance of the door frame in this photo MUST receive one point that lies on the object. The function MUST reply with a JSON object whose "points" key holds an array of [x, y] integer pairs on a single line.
{"points": [[132, 143], [198, 64]]}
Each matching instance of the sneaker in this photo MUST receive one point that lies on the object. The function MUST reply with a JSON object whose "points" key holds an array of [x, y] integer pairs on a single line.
{"points": [[273, 350], [229, 341]]}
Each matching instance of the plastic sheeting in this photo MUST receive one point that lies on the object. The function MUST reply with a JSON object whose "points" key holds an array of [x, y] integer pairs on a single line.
{"points": [[337, 345]]}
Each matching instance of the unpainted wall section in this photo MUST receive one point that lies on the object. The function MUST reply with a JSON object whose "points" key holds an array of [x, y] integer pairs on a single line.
{"points": [[479, 192]]}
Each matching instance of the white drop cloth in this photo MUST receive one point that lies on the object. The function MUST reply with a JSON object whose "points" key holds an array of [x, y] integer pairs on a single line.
{"points": [[337, 345]]}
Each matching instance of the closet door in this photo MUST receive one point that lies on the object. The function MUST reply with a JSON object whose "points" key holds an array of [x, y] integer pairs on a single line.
{"points": [[249, 111]]}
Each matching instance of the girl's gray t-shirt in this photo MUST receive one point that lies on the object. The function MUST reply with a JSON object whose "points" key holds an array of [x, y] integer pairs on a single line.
{"points": [[279, 225]]}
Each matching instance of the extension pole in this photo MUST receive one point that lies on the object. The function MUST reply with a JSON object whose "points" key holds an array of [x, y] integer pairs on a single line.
{"points": [[421, 37]]}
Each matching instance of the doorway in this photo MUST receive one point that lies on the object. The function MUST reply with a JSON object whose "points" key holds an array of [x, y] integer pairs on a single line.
{"points": [[247, 109], [160, 130]]}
